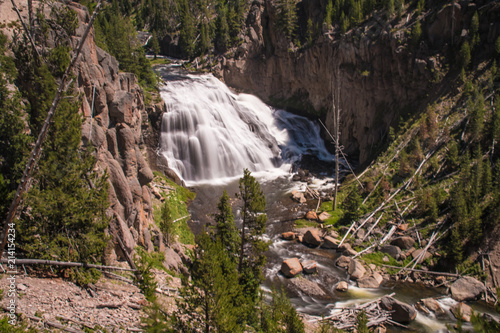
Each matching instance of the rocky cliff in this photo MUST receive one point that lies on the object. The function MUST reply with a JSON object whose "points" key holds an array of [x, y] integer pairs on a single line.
{"points": [[376, 73], [114, 111]]}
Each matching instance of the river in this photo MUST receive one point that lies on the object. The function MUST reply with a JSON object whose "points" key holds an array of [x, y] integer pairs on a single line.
{"points": [[210, 134]]}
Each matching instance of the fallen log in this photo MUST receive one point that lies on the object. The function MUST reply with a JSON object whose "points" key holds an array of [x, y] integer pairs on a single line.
{"points": [[65, 263], [424, 271]]}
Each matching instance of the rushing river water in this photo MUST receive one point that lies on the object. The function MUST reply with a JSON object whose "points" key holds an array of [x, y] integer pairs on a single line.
{"points": [[210, 134]]}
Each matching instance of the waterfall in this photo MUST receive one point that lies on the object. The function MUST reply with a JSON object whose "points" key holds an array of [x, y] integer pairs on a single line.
{"points": [[210, 133]]}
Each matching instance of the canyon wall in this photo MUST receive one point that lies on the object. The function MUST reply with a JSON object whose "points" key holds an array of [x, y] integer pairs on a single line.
{"points": [[375, 72]]}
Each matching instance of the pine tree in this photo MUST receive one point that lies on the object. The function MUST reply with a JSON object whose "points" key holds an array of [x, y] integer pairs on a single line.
{"points": [[167, 223], [188, 30], [280, 315], [329, 14], [252, 247], [351, 206], [222, 29], [226, 231], [287, 18], [208, 301], [474, 26], [154, 45], [416, 34], [465, 56]]}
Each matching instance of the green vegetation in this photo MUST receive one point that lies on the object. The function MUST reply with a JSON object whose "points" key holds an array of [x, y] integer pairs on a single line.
{"points": [[144, 277], [174, 209], [63, 215], [224, 293], [116, 34]]}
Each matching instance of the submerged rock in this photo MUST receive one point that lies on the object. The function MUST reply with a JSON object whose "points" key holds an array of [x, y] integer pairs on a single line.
{"points": [[461, 311], [342, 286], [401, 312], [433, 305], [309, 266], [290, 235]]}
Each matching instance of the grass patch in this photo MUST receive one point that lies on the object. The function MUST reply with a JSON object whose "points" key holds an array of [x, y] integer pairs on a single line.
{"points": [[305, 223], [177, 199], [160, 61]]}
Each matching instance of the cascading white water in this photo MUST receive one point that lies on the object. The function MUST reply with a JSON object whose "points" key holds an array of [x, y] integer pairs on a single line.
{"points": [[209, 132]]}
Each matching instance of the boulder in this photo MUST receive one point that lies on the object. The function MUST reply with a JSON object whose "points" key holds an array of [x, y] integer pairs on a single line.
{"points": [[172, 260], [343, 262], [403, 227], [289, 235], [368, 282], [298, 196], [312, 237], [401, 312], [342, 286], [361, 234], [311, 215], [433, 305], [356, 269], [324, 216], [334, 234], [416, 253], [461, 311], [350, 252], [291, 267], [309, 266], [330, 243], [344, 247], [391, 250], [403, 242], [307, 287], [466, 289]]}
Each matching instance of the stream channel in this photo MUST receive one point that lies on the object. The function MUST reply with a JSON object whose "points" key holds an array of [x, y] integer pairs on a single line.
{"points": [[210, 134]]}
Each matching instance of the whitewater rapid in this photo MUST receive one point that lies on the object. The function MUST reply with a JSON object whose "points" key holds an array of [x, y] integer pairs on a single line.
{"points": [[210, 133]]}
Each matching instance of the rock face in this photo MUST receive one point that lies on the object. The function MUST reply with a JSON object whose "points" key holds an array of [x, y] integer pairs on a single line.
{"points": [[402, 312], [113, 123], [312, 237], [466, 289], [267, 68], [291, 267]]}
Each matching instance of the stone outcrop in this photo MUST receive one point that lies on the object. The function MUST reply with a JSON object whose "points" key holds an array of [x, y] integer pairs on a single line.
{"points": [[401, 312], [466, 289]]}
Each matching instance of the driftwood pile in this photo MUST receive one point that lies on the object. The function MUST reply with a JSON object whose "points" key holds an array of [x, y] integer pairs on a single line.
{"points": [[347, 318]]}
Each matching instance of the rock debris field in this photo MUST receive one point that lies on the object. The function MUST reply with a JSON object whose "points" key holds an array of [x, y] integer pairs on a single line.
{"points": [[113, 305]]}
